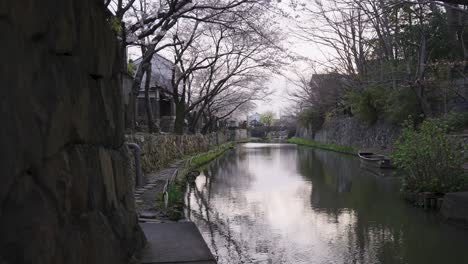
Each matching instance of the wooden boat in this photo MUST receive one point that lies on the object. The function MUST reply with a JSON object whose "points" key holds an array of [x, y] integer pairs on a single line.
{"points": [[375, 160]]}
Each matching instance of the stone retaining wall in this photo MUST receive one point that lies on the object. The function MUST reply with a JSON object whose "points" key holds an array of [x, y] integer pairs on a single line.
{"points": [[455, 208], [157, 151], [348, 131], [66, 194]]}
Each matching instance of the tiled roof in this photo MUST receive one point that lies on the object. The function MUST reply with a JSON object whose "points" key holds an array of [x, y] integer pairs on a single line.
{"points": [[161, 69]]}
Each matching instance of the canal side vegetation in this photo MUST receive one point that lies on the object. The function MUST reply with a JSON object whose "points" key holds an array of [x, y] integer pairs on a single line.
{"points": [[203, 159], [175, 190], [315, 144], [430, 157], [428, 154], [403, 83]]}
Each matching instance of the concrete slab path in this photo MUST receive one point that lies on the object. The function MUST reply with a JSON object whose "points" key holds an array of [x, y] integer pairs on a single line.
{"points": [[145, 195], [174, 243]]}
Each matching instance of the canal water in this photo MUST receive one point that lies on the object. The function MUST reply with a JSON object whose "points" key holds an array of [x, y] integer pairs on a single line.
{"points": [[278, 203]]}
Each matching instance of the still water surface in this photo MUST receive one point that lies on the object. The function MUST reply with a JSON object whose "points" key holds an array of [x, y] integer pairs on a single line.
{"points": [[278, 203]]}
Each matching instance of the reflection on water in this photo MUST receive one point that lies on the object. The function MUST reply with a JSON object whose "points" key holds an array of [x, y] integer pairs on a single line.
{"points": [[285, 204]]}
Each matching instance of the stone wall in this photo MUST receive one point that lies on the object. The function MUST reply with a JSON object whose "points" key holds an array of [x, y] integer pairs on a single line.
{"points": [[241, 134], [157, 151], [237, 134], [455, 208], [348, 131], [66, 195]]}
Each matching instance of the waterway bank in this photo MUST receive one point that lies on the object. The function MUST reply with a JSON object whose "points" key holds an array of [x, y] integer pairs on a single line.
{"points": [[161, 198], [171, 238], [452, 207], [315, 144], [278, 203]]}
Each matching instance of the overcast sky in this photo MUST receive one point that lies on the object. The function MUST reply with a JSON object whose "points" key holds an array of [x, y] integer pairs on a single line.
{"points": [[278, 101]]}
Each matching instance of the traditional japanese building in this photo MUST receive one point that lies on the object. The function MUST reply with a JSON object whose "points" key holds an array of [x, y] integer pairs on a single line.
{"points": [[160, 94]]}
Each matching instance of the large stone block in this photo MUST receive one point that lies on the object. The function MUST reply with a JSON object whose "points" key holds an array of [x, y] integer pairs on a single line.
{"points": [[107, 173], [83, 166], [455, 208], [29, 224], [64, 30], [123, 178], [66, 195], [102, 244]]}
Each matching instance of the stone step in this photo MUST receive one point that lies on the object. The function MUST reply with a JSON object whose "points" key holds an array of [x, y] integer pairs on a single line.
{"points": [[149, 221], [148, 215], [175, 243]]}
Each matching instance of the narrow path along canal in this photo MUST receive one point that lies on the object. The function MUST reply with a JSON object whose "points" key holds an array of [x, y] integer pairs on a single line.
{"points": [[278, 203]]}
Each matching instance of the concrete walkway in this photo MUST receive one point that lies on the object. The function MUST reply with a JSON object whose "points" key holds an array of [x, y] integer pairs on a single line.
{"points": [[179, 242], [169, 242], [145, 196]]}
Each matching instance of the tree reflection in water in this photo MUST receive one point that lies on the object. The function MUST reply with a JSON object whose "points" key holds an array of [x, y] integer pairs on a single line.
{"points": [[282, 204]]}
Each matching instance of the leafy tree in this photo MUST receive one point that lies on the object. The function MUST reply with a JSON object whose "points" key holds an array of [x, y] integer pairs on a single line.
{"points": [[267, 118], [431, 159], [131, 68], [398, 46], [311, 118]]}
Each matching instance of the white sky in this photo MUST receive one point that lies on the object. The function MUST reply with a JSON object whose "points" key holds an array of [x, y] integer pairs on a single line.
{"points": [[278, 101]]}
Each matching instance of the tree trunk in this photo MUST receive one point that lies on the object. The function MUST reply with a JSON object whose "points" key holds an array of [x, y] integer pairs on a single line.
{"points": [[420, 77], [192, 122], [142, 68], [180, 118], [209, 126], [132, 110], [123, 48], [149, 109]]}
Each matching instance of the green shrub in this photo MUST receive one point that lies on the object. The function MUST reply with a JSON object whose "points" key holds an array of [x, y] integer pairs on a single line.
{"points": [[402, 103], [368, 105], [115, 25], [430, 158], [315, 144], [328, 117], [131, 68], [174, 194], [205, 158], [455, 121], [377, 102], [311, 117]]}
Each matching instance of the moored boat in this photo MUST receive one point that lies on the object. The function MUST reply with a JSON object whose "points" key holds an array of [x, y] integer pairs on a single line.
{"points": [[376, 160]]}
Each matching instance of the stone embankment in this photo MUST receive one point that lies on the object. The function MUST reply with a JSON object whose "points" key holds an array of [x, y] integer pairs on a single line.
{"points": [[455, 208], [350, 132], [165, 157], [158, 151], [347, 131], [66, 194]]}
